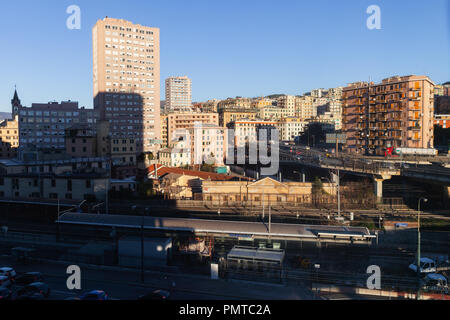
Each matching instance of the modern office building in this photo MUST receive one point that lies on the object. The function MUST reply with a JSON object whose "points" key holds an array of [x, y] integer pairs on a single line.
{"points": [[398, 112], [126, 71], [178, 93]]}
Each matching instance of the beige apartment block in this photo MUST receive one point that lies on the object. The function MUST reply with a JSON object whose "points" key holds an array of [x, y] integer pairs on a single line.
{"points": [[398, 112], [9, 138], [178, 93], [290, 128], [305, 107], [233, 114], [246, 130], [288, 103], [164, 130], [208, 144], [180, 122], [261, 103], [273, 113], [126, 76]]}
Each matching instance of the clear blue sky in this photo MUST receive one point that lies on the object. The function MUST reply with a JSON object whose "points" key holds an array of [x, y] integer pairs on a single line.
{"points": [[229, 48]]}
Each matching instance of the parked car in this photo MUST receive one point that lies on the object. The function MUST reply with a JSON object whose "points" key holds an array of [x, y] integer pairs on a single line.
{"points": [[435, 282], [28, 278], [94, 295], [156, 295], [4, 282], [33, 289], [5, 294], [8, 272]]}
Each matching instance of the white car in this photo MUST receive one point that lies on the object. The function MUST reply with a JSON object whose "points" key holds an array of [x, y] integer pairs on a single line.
{"points": [[8, 272], [426, 266], [4, 282]]}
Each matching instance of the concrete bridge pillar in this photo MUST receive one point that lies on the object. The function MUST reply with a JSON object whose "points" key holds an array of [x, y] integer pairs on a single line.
{"points": [[379, 189], [378, 180]]}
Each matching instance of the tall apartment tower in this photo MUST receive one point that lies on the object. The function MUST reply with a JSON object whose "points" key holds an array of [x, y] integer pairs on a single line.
{"points": [[398, 112], [126, 70], [178, 93]]}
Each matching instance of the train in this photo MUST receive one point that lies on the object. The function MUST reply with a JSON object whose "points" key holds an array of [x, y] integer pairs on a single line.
{"points": [[411, 152]]}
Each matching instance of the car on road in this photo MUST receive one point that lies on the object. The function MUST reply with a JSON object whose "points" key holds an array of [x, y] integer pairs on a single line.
{"points": [[4, 282], [427, 265], [33, 289], [5, 294], [156, 295], [94, 295], [8, 272], [28, 278], [435, 282]]}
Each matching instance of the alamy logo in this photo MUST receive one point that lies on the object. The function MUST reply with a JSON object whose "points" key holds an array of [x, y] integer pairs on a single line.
{"points": [[74, 280], [73, 22], [374, 281], [374, 21]]}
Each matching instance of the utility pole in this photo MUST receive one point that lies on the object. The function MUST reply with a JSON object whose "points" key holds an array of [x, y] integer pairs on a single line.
{"points": [[142, 251], [418, 246], [339, 193], [270, 222], [107, 185]]}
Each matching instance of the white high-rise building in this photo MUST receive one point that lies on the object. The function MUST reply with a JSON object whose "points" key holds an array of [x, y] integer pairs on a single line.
{"points": [[178, 93]]}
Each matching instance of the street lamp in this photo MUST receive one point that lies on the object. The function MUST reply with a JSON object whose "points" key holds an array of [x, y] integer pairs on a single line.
{"points": [[418, 243]]}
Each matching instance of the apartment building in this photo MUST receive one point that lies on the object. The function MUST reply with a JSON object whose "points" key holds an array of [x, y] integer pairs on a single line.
{"points": [[178, 93], [81, 141], [231, 114], [398, 112], [75, 179], [442, 120], [273, 113], [43, 124], [289, 104], [306, 107], [261, 103], [178, 123], [442, 98], [9, 138], [290, 128], [126, 77], [164, 130], [246, 130], [208, 144], [96, 141]]}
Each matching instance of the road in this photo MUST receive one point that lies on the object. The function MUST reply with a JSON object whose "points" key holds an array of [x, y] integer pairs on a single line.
{"points": [[125, 284]]}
